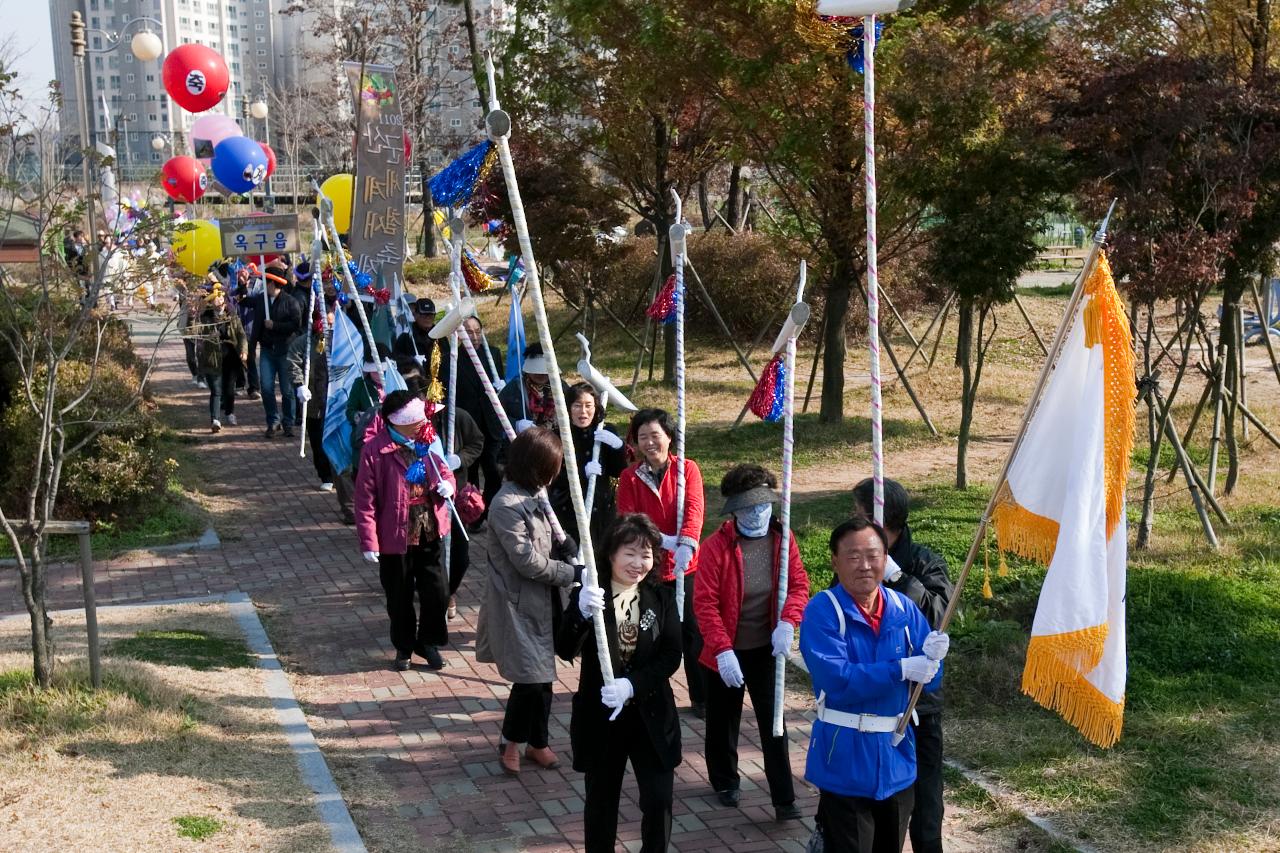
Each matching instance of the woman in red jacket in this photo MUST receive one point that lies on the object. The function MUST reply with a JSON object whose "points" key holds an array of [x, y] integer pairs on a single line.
{"points": [[649, 487], [742, 632]]}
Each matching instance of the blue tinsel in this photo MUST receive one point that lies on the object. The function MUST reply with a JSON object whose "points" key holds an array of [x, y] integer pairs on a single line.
{"points": [[363, 280], [779, 393], [417, 473], [455, 183], [856, 57]]}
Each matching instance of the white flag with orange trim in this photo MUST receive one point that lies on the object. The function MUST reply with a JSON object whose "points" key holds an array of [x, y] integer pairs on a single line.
{"points": [[1063, 505]]}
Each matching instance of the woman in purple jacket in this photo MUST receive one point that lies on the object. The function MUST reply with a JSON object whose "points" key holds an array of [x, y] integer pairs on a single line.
{"points": [[402, 493]]}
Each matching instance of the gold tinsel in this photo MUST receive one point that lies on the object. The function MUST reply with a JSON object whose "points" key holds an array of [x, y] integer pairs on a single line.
{"points": [[435, 391]]}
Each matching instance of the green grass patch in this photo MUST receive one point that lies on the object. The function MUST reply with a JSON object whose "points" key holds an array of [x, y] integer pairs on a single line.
{"points": [[1057, 291], [1202, 721], [197, 827], [191, 649]]}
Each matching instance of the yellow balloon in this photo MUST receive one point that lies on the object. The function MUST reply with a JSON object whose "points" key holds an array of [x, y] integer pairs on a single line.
{"points": [[340, 189], [196, 245]]}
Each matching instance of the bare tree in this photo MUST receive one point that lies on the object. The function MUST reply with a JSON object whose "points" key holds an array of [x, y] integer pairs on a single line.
{"points": [[52, 335]]}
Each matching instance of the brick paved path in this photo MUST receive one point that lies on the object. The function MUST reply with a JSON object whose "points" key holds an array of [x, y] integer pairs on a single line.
{"points": [[434, 735]]}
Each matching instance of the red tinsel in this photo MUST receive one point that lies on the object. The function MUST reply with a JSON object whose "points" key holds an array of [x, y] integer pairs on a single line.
{"points": [[477, 280], [663, 308], [766, 400], [382, 297]]}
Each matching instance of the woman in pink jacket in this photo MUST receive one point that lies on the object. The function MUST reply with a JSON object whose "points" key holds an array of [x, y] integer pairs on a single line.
{"points": [[402, 493], [736, 601]]}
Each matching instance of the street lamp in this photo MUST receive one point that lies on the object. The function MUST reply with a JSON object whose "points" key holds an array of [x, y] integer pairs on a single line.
{"points": [[146, 45], [158, 143], [258, 109]]}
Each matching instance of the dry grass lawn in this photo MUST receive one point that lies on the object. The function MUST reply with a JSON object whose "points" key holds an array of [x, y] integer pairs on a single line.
{"points": [[161, 750]]}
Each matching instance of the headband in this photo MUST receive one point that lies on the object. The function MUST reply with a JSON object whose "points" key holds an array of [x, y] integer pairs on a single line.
{"points": [[412, 412]]}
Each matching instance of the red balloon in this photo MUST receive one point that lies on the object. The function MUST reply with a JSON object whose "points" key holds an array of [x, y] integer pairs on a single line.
{"points": [[184, 178], [271, 158], [195, 77]]}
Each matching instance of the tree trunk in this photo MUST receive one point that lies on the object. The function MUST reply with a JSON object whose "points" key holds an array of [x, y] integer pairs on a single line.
{"points": [[477, 61], [839, 290], [964, 358], [1153, 442], [1229, 331], [733, 205], [33, 594], [704, 204], [428, 212]]}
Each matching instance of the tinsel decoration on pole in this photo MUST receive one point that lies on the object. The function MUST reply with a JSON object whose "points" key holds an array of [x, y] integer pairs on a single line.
{"points": [[768, 400], [454, 185], [665, 305]]}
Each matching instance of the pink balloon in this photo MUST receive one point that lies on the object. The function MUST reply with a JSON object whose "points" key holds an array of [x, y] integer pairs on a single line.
{"points": [[207, 131]]}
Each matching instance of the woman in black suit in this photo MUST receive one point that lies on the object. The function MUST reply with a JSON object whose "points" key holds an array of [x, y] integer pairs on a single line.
{"points": [[634, 718]]}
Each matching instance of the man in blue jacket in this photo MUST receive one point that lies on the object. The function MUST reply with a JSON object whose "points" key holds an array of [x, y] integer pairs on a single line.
{"points": [[864, 645]]}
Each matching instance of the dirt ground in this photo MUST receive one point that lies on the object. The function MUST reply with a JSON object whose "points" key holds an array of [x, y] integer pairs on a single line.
{"points": [[172, 742]]}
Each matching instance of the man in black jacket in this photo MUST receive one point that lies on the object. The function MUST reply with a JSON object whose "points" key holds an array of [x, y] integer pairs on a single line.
{"points": [[416, 344], [276, 319], [921, 575]]}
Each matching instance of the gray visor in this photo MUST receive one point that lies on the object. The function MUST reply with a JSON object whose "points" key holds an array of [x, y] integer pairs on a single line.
{"points": [[751, 497]]}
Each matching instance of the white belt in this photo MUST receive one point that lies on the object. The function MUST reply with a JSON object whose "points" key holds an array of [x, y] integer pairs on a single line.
{"points": [[859, 722]]}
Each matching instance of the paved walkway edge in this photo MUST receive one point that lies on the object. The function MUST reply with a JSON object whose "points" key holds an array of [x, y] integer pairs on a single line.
{"points": [[311, 763], [998, 793]]}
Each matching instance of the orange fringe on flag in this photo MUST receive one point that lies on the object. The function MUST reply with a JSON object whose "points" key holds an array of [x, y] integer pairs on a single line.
{"points": [[1022, 531], [1053, 678], [1119, 391]]}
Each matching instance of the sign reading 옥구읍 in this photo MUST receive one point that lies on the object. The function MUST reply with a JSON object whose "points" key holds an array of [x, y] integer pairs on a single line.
{"points": [[259, 235], [377, 238]]}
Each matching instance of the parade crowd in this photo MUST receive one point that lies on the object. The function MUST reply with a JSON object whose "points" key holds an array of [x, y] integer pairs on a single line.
{"points": [[425, 481]]}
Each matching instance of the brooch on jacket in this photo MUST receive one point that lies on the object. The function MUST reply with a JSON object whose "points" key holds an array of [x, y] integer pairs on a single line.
{"points": [[647, 620]]}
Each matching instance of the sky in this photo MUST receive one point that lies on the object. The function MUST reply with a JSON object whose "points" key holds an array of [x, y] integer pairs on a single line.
{"points": [[26, 23]]}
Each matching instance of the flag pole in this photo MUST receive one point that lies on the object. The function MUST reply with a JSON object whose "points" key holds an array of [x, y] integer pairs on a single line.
{"points": [[676, 242], [306, 365], [873, 270], [788, 454], [498, 125], [1033, 401]]}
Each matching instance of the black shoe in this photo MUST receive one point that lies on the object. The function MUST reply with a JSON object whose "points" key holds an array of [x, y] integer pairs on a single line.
{"points": [[348, 518], [403, 663], [270, 431], [431, 655], [253, 394], [787, 812], [730, 798], [288, 431], [699, 710]]}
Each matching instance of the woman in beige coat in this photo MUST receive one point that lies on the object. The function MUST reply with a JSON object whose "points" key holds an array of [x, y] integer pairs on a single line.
{"points": [[528, 582]]}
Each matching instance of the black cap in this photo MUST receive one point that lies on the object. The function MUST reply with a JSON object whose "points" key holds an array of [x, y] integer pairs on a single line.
{"points": [[424, 307]]}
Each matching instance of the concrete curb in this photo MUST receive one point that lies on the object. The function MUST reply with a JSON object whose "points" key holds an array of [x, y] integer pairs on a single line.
{"points": [[208, 541], [315, 771]]}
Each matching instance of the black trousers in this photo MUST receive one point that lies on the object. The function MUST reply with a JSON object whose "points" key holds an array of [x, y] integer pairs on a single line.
{"points": [[315, 437], [628, 740], [691, 639], [190, 346], [724, 720], [528, 715], [861, 825], [251, 372], [403, 574], [926, 817], [222, 391], [459, 558]]}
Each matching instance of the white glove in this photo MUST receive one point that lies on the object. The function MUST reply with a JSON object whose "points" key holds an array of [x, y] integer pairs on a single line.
{"points": [[918, 668], [935, 645], [605, 437], [421, 359], [454, 461], [371, 556], [615, 695], [522, 425], [499, 384], [730, 670], [303, 393], [444, 489], [684, 553], [668, 543], [593, 469], [892, 571], [782, 637], [590, 599]]}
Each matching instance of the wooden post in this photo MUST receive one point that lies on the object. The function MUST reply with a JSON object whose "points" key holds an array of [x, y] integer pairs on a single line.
{"points": [[1023, 310], [90, 606], [924, 338]]}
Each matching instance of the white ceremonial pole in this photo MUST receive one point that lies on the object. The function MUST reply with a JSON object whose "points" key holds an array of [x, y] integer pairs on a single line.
{"points": [[799, 315], [676, 240], [498, 124], [873, 271], [316, 249], [605, 389]]}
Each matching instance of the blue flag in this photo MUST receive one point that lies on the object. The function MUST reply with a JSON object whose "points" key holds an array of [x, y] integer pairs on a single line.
{"points": [[344, 369], [515, 337]]}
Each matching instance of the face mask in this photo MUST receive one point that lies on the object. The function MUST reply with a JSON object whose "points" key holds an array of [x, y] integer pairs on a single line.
{"points": [[753, 522]]}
